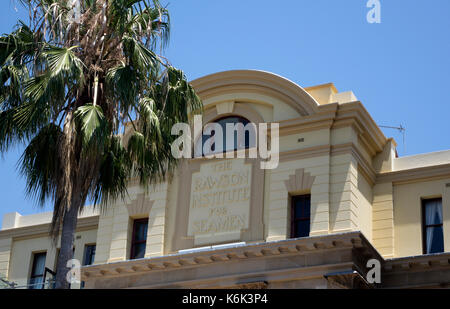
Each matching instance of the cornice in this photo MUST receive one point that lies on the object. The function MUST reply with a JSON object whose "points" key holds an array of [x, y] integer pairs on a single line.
{"points": [[415, 174], [310, 245], [354, 113], [321, 120], [234, 281], [420, 262], [32, 231], [321, 86], [304, 153]]}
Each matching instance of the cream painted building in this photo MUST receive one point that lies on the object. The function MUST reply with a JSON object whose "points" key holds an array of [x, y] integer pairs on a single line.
{"points": [[339, 197]]}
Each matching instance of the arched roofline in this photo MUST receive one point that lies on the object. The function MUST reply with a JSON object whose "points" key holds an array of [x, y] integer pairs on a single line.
{"points": [[256, 82]]}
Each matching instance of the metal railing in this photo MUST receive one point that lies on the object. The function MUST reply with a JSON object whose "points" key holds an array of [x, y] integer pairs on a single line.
{"points": [[46, 283]]}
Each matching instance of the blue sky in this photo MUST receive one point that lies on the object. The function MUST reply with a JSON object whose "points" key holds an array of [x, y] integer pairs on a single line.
{"points": [[399, 69]]}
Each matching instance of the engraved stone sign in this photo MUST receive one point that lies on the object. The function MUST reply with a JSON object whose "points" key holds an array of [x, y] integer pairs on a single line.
{"points": [[220, 201]]}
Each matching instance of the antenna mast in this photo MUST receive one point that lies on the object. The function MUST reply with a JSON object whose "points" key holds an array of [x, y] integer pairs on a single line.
{"points": [[401, 129]]}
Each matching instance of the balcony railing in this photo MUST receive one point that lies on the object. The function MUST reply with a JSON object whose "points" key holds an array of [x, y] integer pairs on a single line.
{"points": [[47, 282]]}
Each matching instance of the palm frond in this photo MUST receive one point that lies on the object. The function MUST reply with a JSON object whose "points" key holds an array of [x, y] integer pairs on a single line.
{"points": [[63, 61], [10, 134], [123, 86], [140, 56], [39, 164], [19, 46], [113, 174], [92, 125], [181, 96], [149, 121]]}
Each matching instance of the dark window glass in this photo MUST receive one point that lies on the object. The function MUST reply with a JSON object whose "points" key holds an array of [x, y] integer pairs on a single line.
{"points": [[37, 271], [89, 254], [237, 143], [433, 233], [300, 215], [302, 228], [88, 258], [139, 250], [139, 238]]}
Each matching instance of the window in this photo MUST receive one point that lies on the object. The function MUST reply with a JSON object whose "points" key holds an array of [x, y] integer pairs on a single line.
{"points": [[235, 141], [89, 254], [37, 271], [300, 215], [88, 258], [139, 238], [432, 233]]}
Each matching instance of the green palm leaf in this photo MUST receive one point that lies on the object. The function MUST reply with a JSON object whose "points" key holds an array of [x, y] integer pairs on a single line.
{"points": [[40, 163], [62, 60], [92, 124]]}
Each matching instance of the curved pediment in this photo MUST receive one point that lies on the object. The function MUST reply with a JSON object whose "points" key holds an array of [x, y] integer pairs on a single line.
{"points": [[257, 82]]}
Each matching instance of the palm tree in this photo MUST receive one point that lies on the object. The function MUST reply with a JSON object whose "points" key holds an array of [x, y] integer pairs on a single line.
{"points": [[72, 80]]}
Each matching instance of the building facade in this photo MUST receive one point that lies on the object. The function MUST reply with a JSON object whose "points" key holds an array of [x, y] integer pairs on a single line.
{"points": [[339, 202]]}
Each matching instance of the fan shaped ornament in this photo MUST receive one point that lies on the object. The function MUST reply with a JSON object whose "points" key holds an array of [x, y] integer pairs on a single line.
{"points": [[300, 181], [139, 206]]}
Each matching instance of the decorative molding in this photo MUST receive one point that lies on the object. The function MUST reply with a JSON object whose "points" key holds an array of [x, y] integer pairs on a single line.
{"points": [[255, 231], [354, 241], [339, 258], [415, 174], [260, 285], [354, 113], [300, 181], [252, 81], [225, 107], [326, 85], [423, 271], [239, 109], [33, 231], [420, 262], [141, 205], [347, 280], [305, 153], [320, 120]]}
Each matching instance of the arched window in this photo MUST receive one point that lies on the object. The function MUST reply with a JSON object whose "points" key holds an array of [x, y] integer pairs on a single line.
{"points": [[241, 134]]}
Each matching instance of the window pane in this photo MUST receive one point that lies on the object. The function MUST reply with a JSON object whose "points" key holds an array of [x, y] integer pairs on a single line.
{"points": [[139, 251], [435, 239], [236, 141], [302, 228], [39, 264], [301, 214], [36, 283], [37, 271], [139, 238], [433, 211], [140, 232], [298, 211], [89, 254], [302, 207]]}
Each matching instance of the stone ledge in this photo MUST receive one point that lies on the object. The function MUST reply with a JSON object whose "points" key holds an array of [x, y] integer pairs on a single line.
{"points": [[297, 247]]}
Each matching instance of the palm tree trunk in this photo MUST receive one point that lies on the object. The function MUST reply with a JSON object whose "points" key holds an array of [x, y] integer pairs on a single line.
{"points": [[67, 239]]}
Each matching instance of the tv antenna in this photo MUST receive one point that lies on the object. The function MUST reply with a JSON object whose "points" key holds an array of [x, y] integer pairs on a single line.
{"points": [[401, 129]]}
